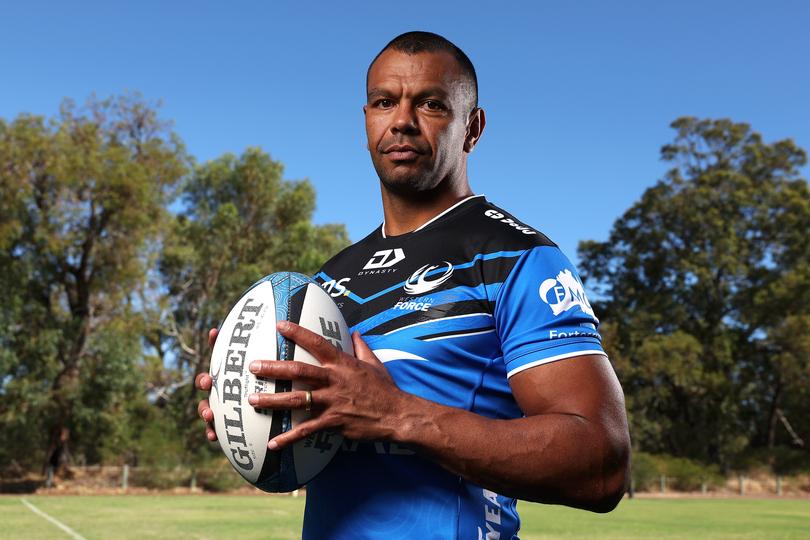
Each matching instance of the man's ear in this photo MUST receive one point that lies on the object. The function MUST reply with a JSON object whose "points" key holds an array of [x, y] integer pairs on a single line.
{"points": [[365, 113], [475, 127]]}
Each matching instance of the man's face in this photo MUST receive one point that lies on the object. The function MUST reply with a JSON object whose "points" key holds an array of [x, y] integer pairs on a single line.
{"points": [[416, 119]]}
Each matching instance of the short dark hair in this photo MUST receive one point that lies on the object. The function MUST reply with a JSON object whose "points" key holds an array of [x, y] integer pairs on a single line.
{"points": [[417, 42]]}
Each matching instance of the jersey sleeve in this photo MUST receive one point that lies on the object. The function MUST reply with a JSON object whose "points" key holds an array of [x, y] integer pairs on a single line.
{"points": [[542, 314]]}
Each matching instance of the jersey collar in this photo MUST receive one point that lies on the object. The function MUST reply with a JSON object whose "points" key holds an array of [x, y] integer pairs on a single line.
{"points": [[434, 218]]}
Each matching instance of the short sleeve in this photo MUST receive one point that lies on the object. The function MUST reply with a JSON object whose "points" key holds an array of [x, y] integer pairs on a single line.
{"points": [[542, 313]]}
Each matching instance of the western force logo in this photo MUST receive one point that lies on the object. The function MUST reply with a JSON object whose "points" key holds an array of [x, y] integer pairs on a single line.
{"points": [[413, 306], [418, 283], [385, 259], [564, 292]]}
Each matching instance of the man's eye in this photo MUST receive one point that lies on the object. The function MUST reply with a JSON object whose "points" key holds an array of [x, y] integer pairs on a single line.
{"points": [[433, 105], [384, 103]]}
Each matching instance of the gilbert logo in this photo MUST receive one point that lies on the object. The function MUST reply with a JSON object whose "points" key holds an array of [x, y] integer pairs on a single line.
{"points": [[385, 259], [418, 283], [564, 292]]}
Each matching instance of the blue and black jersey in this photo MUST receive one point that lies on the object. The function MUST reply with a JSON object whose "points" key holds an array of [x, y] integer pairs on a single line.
{"points": [[453, 309]]}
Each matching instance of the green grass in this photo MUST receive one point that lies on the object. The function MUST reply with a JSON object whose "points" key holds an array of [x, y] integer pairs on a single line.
{"points": [[248, 517], [662, 519]]}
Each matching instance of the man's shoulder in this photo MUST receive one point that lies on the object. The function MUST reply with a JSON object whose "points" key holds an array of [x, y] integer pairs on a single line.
{"points": [[476, 227], [489, 223]]}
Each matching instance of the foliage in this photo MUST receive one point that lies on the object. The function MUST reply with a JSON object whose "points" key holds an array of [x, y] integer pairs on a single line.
{"points": [[706, 288], [161, 477], [682, 474], [218, 476], [239, 222], [781, 460], [644, 471], [108, 295], [688, 475], [83, 194]]}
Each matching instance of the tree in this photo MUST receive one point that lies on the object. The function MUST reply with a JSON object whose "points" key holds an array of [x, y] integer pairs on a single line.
{"points": [[83, 195], [706, 293], [239, 221]]}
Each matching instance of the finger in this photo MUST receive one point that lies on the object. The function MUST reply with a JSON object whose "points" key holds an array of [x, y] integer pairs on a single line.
{"points": [[203, 381], [212, 337], [283, 400], [299, 432], [290, 370], [314, 344], [204, 410], [362, 351]]}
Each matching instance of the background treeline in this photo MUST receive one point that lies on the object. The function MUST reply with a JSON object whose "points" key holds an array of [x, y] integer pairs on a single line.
{"points": [[704, 287], [118, 252]]}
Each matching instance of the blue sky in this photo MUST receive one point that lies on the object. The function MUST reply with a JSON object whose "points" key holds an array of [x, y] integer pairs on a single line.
{"points": [[579, 94]]}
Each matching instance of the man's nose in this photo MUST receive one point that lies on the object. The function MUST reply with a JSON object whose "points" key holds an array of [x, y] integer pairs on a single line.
{"points": [[405, 120]]}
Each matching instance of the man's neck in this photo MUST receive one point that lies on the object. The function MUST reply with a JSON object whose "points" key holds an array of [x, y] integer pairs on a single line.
{"points": [[404, 214]]}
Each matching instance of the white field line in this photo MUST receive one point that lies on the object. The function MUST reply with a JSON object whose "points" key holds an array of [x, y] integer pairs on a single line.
{"points": [[73, 534]]}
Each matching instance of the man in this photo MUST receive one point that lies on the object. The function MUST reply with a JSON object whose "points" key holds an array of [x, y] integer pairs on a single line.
{"points": [[479, 377]]}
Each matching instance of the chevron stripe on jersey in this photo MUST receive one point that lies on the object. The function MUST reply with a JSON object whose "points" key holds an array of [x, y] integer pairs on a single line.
{"points": [[453, 310]]}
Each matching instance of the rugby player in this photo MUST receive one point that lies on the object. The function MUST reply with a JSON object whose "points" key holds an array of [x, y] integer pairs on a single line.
{"points": [[479, 376]]}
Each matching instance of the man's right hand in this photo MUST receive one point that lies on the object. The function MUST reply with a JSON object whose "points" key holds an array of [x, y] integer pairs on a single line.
{"points": [[203, 382]]}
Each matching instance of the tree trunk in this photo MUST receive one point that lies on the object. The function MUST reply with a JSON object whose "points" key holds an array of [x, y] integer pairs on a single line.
{"points": [[773, 417], [58, 453]]}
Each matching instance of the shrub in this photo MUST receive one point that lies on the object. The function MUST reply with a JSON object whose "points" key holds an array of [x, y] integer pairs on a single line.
{"points": [[160, 477], [218, 476], [687, 475], [644, 470], [682, 474]]}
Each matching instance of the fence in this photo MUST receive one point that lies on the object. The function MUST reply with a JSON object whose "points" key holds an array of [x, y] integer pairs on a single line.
{"points": [[98, 478], [222, 478], [759, 484]]}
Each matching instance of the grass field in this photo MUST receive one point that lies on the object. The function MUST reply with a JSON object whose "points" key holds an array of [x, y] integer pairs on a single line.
{"points": [[251, 517]]}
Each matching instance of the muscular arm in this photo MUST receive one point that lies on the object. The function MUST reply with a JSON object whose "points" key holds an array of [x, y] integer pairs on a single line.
{"points": [[572, 447]]}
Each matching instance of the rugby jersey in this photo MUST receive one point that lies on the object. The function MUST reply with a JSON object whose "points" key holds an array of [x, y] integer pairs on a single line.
{"points": [[452, 309]]}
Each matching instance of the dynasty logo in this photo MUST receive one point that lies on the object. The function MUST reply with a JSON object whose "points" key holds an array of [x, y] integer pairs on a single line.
{"points": [[382, 261], [385, 258]]}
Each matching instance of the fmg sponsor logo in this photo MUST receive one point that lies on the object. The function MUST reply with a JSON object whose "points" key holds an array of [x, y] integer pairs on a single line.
{"points": [[564, 292]]}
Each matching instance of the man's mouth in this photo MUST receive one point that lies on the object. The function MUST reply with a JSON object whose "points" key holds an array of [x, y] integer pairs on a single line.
{"points": [[401, 152]]}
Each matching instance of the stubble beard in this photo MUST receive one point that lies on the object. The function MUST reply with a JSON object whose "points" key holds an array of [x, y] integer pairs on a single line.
{"points": [[413, 184]]}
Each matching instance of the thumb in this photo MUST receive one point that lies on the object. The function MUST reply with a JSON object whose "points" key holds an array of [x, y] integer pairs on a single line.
{"points": [[362, 350]]}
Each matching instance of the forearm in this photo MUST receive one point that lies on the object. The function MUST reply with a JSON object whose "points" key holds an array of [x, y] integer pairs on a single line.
{"points": [[552, 458]]}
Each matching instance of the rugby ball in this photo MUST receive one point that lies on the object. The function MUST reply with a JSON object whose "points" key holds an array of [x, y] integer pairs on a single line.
{"points": [[249, 333]]}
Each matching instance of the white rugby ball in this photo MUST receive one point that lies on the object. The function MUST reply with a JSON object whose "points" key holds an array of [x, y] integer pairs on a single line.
{"points": [[249, 333]]}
